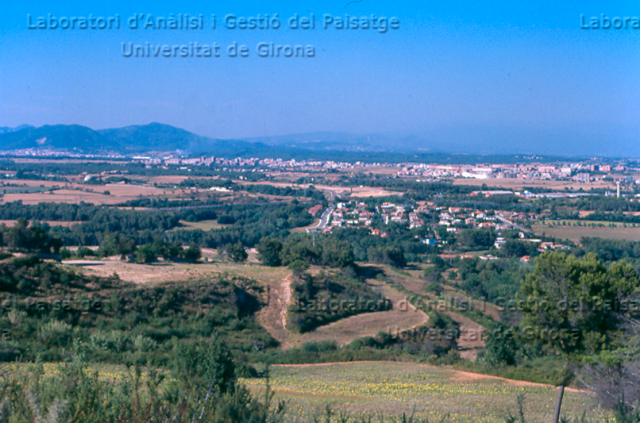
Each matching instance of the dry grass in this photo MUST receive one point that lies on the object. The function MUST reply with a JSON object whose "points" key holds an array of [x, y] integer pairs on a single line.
{"points": [[162, 272], [574, 233], [470, 340], [354, 191], [380, 170], [273, 317], [63, 196], [161, 179], [94, 194], [205, 225], [344, 331], [372, 192], [66, 224], [304, 229], [519, 184]]}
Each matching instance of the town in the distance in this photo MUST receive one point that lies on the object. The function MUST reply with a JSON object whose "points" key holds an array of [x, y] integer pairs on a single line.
{"points": [[310, 257]]}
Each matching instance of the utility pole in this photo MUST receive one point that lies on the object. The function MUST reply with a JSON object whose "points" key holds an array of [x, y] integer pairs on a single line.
{"points": [[556, 414]]}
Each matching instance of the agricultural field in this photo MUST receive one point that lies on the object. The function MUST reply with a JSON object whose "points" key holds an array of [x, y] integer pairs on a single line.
{"points": [[574, 233], [11, 183], [204, 225], [163, 272], [10, 223], [64, 196], [24, 189], [108, 194], [587, 223], [106, 372], [360, 192], [520, 184], [391, 388]]}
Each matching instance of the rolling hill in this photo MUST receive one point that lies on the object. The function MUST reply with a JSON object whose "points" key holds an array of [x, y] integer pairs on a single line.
{"points": [[63, 137], [154, 136], [131, 139]]}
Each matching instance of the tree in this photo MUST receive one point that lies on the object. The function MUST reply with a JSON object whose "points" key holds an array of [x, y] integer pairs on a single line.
{"points": [[438, 262], [146, 254], [432, 274], [477, 238], [193, 253], [116, 244], [500, 347], [33, 238], [65, 254], [200, 366], [19, 234], [172, 251], [337, 254], [237, 252], [396, 257], [269, 252], [298, 267], [570, 305], [568, 302], [516, 248]]}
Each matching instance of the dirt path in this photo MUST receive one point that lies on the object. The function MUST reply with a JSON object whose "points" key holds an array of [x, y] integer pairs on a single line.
{"points": [[403, 316], [274, 316], [285, 300], [470, 341]]}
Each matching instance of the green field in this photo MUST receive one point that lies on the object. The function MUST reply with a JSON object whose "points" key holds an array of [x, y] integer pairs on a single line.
{"points": [[25, 190], [392, 388]]}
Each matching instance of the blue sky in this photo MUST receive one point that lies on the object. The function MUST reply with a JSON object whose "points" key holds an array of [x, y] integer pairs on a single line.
{"points": [[524, 64]]}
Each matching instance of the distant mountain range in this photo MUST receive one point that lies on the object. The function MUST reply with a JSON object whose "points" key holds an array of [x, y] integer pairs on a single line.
{"points": [[576, 141], [5, 129], [621, 142], [154, 137], [157, 137]]}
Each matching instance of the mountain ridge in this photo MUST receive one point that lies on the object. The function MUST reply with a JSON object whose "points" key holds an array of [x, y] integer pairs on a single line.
{"points": [[158, 137]]}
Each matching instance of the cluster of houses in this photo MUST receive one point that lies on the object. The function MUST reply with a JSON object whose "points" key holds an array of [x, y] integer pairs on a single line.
{"points": [[315, 209], [351, 214], [392, 213], [578, 171], [458, 218], [354, 214]]}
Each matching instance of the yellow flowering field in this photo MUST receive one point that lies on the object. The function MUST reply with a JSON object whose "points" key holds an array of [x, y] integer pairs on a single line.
{"points": [[111, 372], [392, 388]]}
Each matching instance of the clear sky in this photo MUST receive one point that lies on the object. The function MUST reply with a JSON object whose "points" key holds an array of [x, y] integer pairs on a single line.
{"points": [[518, 64]]}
